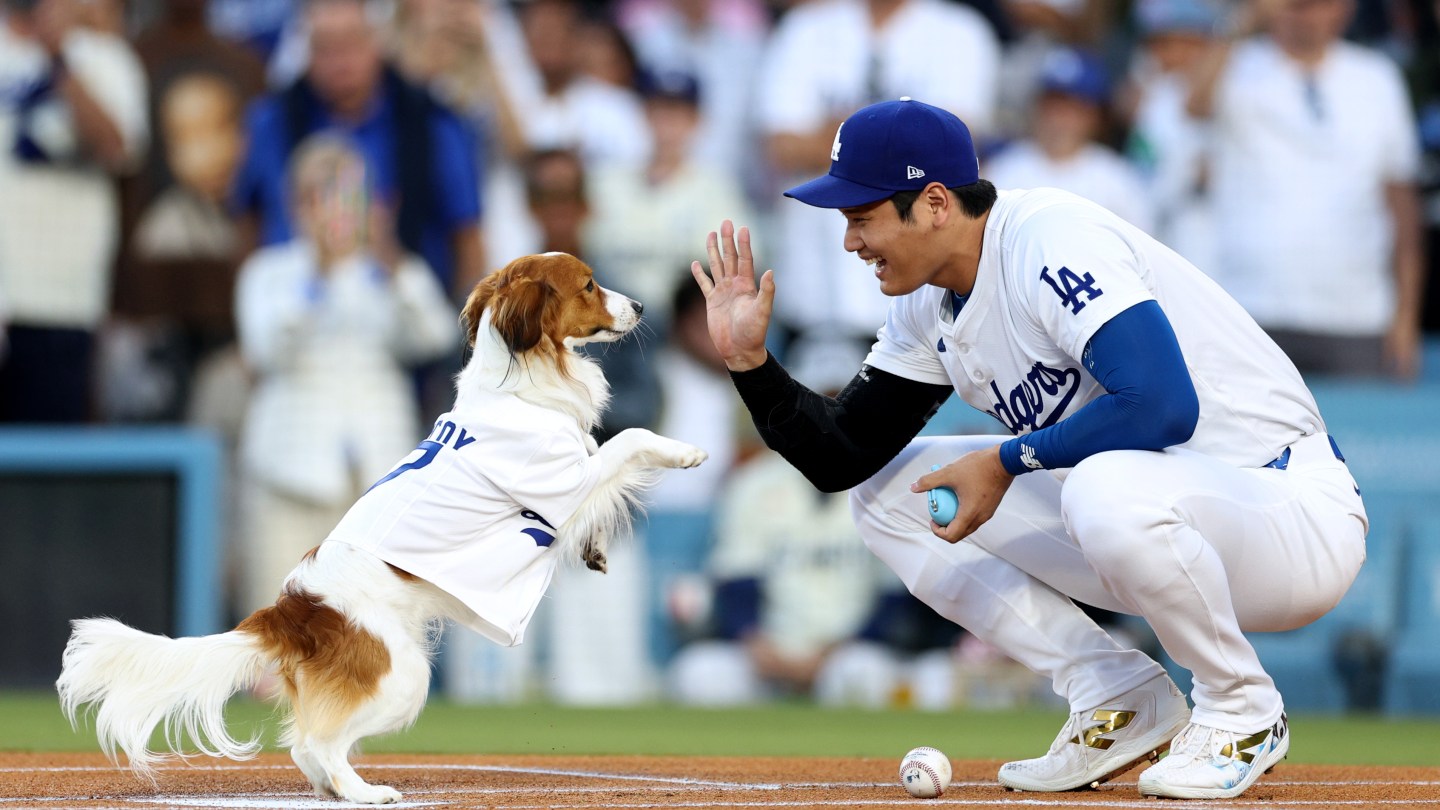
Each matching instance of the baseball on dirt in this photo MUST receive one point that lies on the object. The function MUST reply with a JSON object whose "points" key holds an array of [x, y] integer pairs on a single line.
{"points": [[925, 772]]}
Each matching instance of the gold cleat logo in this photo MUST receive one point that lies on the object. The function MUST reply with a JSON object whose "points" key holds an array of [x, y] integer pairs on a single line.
{"points": [[1246, 749], [1109, 722]]}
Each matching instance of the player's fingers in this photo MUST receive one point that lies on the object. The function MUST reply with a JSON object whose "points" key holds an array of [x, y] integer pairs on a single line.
{"points": [[947, 533], [746, 260], [925, 483], [712, 252], [727, 247], [706, 285], [766, 298]]}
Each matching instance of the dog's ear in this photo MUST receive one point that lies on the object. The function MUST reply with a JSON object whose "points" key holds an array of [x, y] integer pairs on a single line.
{"points": [[475, 306], [519, 310]]}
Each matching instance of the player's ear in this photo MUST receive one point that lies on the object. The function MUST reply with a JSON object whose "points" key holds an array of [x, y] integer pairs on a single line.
{"points": [[939, 202]]}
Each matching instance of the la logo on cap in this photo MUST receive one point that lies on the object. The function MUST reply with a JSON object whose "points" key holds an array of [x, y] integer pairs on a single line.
{"points": [[835, 147], [912, 173]]}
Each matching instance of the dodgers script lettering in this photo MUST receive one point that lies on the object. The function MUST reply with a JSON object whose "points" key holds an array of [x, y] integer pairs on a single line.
{"points": [[1035, 398]]}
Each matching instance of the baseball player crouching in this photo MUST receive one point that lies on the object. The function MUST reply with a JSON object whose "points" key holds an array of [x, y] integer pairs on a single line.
{"points": [[1167, 460]]}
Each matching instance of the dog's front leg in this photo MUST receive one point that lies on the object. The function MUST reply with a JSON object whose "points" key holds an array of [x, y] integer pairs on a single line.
{"points": [[628, 463], [646, 449]]}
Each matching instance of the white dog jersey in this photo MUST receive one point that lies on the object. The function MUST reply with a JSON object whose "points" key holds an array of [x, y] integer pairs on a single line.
{"points": [[474, 509], [1055, 267]]}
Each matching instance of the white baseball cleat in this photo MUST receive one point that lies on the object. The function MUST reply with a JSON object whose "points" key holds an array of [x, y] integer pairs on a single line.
{"points": [[1101, 743], [1207, 763]]}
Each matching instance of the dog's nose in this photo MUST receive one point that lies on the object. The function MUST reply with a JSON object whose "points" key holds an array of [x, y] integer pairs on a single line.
{"points": [[637, 306]]}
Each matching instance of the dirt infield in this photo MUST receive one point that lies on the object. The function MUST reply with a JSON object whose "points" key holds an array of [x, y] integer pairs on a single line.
{"points": [[76, 781]]}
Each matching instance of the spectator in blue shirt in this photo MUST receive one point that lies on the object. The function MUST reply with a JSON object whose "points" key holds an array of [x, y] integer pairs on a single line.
{"points": [[423, 155]]}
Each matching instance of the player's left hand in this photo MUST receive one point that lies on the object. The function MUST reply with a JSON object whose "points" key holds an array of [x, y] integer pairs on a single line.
{"points": [[979, 481]]}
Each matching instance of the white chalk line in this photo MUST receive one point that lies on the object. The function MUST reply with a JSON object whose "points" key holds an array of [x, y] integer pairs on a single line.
{"points": [[972, 803], [674, 780], [658, 783], [271, 802]]}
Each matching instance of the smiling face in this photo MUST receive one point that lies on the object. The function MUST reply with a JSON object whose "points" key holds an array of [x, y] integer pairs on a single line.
{"points": [[896, 250], [939, 243]]}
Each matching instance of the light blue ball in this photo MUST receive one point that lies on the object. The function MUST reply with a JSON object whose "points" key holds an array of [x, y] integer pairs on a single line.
{"points": [[943, 503]]}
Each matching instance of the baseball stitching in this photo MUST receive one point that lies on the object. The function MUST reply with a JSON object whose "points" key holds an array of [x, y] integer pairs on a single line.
{"points": [[934, 777]]}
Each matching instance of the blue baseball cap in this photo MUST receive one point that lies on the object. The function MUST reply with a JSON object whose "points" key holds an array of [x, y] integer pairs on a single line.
{"points": [[1077, 73], [892, 146], [1157, 17], [669, 85]]}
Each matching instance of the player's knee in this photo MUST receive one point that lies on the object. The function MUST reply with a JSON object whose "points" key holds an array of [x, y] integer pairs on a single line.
{"points": [[1100, 504]]}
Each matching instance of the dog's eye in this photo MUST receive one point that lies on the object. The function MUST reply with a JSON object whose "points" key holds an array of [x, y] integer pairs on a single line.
{"points": [[590, 285]]}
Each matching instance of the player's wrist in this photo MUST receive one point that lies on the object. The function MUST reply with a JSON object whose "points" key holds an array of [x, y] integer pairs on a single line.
{"points": [[1012, 457], [746, 361]]}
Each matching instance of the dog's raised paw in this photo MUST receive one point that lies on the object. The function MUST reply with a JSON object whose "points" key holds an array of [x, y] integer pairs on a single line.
{"points": [[688, 456], [595, 560]]}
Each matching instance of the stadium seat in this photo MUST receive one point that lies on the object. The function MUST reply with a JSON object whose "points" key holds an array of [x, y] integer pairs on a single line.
{"points": [[1414, 666], [677, 544]]}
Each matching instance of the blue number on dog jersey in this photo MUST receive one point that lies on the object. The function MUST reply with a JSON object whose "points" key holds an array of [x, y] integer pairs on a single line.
{"points": [[427, 450], [540, 536], [1073, 286]]}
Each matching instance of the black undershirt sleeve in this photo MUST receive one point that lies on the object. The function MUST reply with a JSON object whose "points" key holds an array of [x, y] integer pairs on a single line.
{"points": [[840, 442]]}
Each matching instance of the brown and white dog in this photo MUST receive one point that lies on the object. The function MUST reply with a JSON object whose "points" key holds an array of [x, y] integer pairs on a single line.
{"points": [[352, 633]]}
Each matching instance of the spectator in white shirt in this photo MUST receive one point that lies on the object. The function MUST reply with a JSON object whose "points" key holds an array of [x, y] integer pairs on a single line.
{"points": [[73, 107], [646, 219], [328, 323], [1314, 187], [573, 109], [826, 58], [720, 43], [1171, 148], [1064, 150]]}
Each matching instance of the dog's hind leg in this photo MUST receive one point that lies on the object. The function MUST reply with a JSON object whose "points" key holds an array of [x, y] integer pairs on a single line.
{"points": [[311, 766], [395, 704]]}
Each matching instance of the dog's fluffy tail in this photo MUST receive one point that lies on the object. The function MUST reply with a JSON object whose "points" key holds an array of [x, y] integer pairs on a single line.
{"points": [[140, 681]]}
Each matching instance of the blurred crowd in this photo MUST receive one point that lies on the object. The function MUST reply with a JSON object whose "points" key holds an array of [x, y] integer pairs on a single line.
{"points": [[261, 216]]}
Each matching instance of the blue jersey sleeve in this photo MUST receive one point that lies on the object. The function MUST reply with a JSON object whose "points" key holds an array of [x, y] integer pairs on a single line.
{"points": [[1149, 404]]}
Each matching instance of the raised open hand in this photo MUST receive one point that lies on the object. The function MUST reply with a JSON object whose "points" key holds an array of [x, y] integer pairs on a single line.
{"points": [[736, 309]]}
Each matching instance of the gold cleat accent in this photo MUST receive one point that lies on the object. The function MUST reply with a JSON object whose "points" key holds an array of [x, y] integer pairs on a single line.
{"points": [[1110, 721]]}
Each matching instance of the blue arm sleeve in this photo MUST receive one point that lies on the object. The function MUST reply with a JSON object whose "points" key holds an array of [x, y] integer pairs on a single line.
{"points": [[1149, 404]]}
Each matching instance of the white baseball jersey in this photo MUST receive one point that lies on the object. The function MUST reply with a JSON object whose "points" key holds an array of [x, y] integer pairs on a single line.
{"points": [[1203, 540], [1054, 268], [474, 509]]}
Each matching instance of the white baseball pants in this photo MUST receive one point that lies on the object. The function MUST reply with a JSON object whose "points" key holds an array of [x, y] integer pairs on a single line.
{"points": [[1201, 549]]}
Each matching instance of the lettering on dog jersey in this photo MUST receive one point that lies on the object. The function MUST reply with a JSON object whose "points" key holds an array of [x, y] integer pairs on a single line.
{"points": [[540, 536], [444, 433]]}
